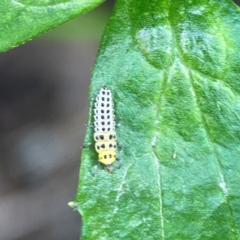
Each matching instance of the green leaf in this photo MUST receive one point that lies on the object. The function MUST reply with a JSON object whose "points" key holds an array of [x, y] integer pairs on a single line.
{"points": [[173, 67], [24, 19]]}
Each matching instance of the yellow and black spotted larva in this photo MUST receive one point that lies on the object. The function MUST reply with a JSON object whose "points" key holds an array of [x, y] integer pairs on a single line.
{"points": [[104, 127]]}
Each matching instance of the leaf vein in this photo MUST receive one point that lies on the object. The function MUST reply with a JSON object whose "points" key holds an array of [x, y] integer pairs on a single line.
{"points": [[222, 184], [157, 166]]}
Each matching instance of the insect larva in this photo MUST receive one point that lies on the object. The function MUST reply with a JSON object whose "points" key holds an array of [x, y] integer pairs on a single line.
{"points": [[104, 127]]}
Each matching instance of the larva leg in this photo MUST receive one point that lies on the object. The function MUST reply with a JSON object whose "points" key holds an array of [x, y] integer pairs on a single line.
{"points": [[119, 162], [109, 168], [95, 169], [118, 124], [119, 146], [89, 126], [86, 145]]}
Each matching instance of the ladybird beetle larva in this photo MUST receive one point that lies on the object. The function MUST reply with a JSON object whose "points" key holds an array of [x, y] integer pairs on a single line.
{"points": [[104, 127]]}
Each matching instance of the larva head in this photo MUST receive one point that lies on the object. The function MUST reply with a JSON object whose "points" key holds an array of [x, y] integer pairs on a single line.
{"points": [[107, 157]]}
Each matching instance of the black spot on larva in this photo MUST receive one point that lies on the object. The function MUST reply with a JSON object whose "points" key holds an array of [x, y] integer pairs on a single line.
{"points": [[101, 137], [110, 155], [97, 137], [105, 156], [108, 111], [108, 93], [103, 129], [97, 117], [108, 105], [110, 136], [103, 98], [110, 145], [108, 99], [103, 123], [102, 117], [103, 146], [108, 116], [102, 111], [108, 123], [98, 147], [103, 92], [109, 129], [102, 104]]}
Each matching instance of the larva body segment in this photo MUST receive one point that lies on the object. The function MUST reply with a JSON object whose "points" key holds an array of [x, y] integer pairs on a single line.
{"points": [[104, 127]]}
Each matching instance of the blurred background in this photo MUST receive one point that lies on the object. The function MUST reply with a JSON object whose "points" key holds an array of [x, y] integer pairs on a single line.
{"points": [[44, 108]]}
